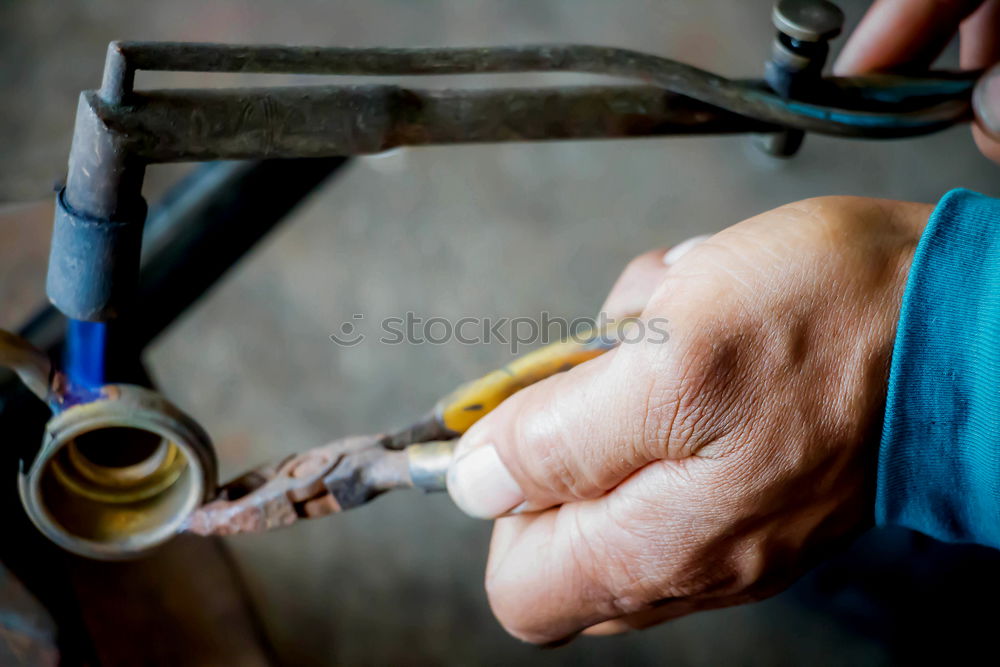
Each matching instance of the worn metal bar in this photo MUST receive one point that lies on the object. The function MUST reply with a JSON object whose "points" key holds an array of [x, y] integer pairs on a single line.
{"points": [[315, 121], [96, 239], [124, 58]]}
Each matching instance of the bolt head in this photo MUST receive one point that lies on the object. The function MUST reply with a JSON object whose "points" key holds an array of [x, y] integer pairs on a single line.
{"points": [[808, 20]]}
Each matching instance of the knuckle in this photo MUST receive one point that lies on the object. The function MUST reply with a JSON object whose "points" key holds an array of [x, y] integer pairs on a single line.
{"points": [[626, 561], [683, 404], [549, 446], [550, 472], [662, 417]]}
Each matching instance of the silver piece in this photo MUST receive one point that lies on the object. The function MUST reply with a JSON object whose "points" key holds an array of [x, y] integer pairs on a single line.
{"points": [[429, 463], [787, 59], [808, 20]]}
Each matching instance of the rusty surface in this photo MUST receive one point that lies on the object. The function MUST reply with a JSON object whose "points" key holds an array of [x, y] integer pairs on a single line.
{"points": [[338, 476], [119, 131], [278, 495], [319, 121], [751, 100]]}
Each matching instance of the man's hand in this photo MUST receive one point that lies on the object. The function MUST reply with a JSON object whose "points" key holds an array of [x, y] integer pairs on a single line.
{"points": [[910, 34], [713, 468]]}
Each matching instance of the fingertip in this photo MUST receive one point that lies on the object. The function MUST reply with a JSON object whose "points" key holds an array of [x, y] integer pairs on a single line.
{"points": [[481, 486], [846, 62], [986, 144], [859, 47], [902, 33], [640, 278], [986, 104]]}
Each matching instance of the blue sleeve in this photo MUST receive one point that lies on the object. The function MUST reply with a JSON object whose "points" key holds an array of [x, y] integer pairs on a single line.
{"points": [[939, 460]]}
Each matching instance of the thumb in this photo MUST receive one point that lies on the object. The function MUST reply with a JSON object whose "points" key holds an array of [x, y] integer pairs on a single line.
{"points": [[986, 103], [571, 437]]}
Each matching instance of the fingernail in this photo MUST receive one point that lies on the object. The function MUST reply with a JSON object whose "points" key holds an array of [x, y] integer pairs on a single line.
{"points": [[481, 486], [986, 101], [682, 249], [608, 628]]}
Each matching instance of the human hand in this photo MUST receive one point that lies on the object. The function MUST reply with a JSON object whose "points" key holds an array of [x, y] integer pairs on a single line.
{"points": [[712, 469], [910, 34]]}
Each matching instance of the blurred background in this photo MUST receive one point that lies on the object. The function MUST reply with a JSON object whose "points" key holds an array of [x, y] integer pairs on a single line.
{"points": [[482, 231]]}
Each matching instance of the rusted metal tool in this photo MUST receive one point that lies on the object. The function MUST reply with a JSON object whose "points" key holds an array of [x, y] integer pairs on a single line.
{"points": [[97, 233], [350, 472]]}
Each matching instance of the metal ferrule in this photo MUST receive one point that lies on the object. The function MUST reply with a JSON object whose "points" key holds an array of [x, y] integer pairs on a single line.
{"points": [[93, 263], [429, 464]]}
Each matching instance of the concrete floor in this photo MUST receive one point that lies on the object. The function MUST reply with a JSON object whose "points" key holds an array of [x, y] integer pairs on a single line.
{"points": [[480, 231]]}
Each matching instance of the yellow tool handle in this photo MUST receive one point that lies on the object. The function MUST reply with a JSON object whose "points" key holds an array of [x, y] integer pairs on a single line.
{"points": [[463, 407]]}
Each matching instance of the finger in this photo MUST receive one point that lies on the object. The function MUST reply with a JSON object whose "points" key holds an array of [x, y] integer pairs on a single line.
{"points": [[641, 277], [636, 284], [987, 105], [553, 574], [577, 434], [981, 49], [658, 614], [980, 37], [641, 620], [902, 34], [572, 436], [608, 629]]}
